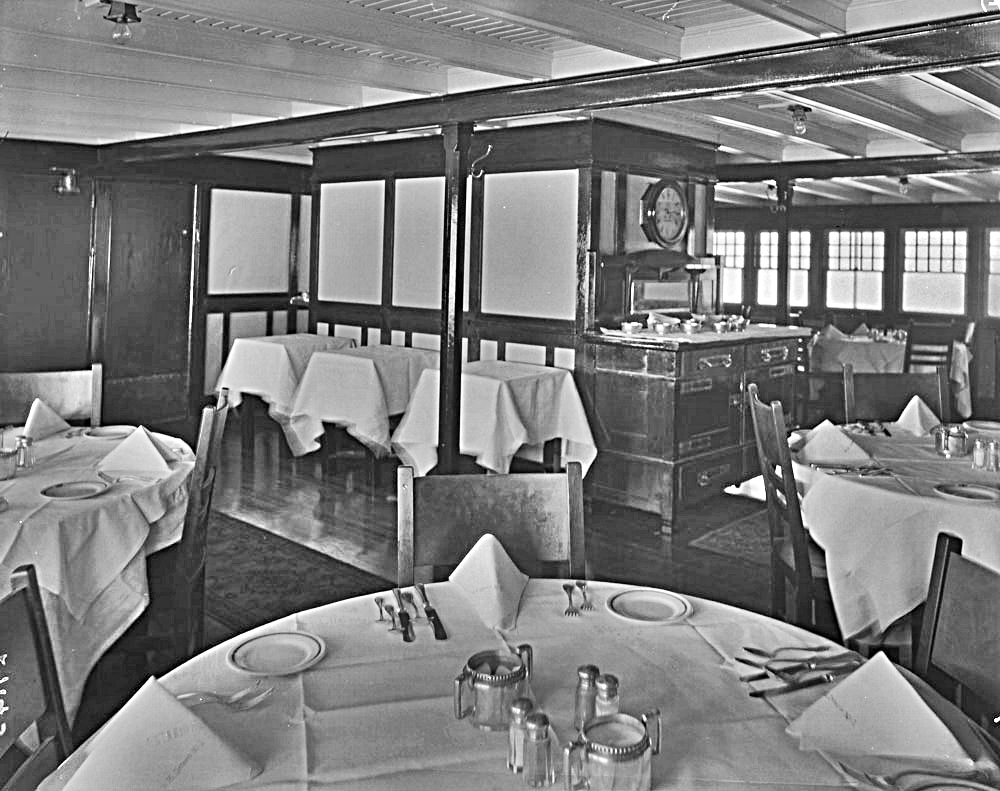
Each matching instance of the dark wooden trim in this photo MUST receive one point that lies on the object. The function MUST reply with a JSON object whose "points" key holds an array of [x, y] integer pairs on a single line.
{"points": [[294, 238], [197, 331], [101, 256], [388, 247], [243, 303]]}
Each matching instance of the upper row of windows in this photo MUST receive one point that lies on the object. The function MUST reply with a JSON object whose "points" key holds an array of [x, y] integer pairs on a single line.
{"points": [[934, 269]]}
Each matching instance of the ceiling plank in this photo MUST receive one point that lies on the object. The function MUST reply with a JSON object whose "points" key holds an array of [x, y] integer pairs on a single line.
{"points": [[589, 22], [939, 46], [978, 82], [973, 162], [370, 29], [815, 17]]}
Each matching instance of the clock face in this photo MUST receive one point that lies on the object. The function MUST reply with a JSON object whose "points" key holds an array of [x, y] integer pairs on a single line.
{"points": [[665, 214]]}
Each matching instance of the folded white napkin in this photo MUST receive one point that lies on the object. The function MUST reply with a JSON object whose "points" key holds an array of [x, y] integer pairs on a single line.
{"points": [[492, 582], [917, 417], [829, 331], [861, 329], [155, 743], [43, 421], [827, 443], [140, 453], [876, 721]]}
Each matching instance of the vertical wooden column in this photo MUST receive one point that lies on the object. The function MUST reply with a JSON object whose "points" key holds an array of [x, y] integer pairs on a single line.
{"points": [[456, 138], [786, 189]]}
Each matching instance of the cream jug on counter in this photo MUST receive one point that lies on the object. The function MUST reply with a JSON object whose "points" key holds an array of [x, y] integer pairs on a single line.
{"points": [[489, 683], [613, 753]]}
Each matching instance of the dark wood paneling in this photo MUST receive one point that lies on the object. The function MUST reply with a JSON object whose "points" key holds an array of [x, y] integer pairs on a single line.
{"points": [[645, 150], [146, 338], [44, 273]]}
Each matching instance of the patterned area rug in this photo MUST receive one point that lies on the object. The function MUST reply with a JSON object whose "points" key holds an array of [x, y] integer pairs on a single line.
{"points": [[254, 576], [746, 539]]}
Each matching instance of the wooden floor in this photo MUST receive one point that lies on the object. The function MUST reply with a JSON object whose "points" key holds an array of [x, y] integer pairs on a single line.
{"points": [[344, 517]]}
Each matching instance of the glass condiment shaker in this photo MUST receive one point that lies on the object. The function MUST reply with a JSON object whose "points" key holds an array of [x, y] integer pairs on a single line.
{"points": [[978, 454], [539, 763], [586, 695], [993, 456], [607, 695], [516, 734], [25, 457]]}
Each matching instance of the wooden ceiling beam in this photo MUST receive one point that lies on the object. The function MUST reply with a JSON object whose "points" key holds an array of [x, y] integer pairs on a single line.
{"points": [[815, 17], [976, 162], [938, 46]]}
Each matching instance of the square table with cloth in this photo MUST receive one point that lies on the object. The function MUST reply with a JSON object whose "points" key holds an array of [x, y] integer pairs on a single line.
{"points": [[507, 408], [90, 553], [355, 388]]}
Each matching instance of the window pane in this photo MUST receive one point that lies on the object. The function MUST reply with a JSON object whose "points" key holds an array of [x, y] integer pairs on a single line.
{"points": [[855, 269], [934, 264], [767, 268], [731, 247], [993, 302]]}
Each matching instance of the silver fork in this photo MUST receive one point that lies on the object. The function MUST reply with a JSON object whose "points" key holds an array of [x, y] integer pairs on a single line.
{"points": [[572, 609], [583, 592], [239, 701], [931, 779]]}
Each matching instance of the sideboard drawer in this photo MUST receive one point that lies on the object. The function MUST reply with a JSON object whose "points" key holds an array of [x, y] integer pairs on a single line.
{"points": [[700, 360], [707, 475], [776, 352]]}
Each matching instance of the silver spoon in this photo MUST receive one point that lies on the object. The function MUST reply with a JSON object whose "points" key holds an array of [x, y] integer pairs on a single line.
{"points": [[239, 701]]}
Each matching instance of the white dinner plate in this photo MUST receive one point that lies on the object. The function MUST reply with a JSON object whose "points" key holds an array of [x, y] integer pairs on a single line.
{"points": [[650, 605], [984, 426], [277, 653], [74, 490], [109, 432], [968, 491]]}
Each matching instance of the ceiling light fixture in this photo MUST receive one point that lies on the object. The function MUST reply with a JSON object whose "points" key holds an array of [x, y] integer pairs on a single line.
{"points": [[904, 185], [123, 15], [67, 183], [798, 118]]}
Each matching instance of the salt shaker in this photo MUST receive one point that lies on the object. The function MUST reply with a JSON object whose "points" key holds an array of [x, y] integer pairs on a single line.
{"points": [[586, 695], [993, 456], [24, 455], [979, 454], [607, 695], [516, 734], [539, 763]]}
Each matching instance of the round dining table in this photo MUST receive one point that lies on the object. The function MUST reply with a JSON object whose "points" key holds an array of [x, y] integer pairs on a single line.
{"points": [[89, 548], [375, 712]]}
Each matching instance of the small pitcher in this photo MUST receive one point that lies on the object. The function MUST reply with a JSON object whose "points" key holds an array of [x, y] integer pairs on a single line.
{"points": [[950, 439], [489, 683], [615, 753]]}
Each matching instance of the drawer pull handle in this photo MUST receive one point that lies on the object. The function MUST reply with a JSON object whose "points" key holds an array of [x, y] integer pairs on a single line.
{"points": [[697, 386], [705, 477], [716, 361], [781, 371], [778, 353], [699, 443]]}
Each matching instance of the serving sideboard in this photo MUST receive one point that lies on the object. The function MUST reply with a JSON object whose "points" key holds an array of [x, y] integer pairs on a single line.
{"points": [[669, 411]]}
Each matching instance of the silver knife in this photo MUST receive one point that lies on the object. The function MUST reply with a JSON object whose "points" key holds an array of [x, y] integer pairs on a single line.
{"points": [[431, 613], [823, 678], [404, 617]]}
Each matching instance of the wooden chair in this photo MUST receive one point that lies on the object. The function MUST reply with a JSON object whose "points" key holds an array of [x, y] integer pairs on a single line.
{"points": [[31, 692], [538, 517], [74, 395], [175, 623], [882, 396], [958, 650], [929, 346], [800, 592]]}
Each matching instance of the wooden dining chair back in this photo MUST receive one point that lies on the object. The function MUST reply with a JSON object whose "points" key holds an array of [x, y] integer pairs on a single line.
{"points": [[537, 517], [958, 650], [929, 346], [883, 396], [74, 395], [800, 592], [176, 618], [29, 689]]}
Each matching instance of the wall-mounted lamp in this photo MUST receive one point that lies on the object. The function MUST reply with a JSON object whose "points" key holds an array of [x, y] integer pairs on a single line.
{"points": [[66, 183], [904, 185], [798, 112], [123, 15]]}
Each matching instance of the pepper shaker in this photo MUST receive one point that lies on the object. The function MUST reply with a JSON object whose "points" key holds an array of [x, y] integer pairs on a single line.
{"points": [[24, 455], [539, 764], [978, 454], [607, 695], [586, 695], [516, 734], [993, 456]]}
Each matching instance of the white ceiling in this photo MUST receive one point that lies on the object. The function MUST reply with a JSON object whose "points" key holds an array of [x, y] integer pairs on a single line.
{"points": [[195, 65]]}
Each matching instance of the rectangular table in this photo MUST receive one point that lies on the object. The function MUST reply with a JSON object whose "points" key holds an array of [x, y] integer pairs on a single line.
{"points": [[507, 408], [90, 553], [358, 389]]}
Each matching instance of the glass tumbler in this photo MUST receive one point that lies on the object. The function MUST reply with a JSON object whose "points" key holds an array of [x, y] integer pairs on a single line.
{"points": [[8, 463]]}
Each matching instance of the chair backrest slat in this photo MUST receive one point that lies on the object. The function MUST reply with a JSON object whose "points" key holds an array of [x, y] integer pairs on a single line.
{"points": [[538, 517], [883, 396], [74, 395], [929, 346]]}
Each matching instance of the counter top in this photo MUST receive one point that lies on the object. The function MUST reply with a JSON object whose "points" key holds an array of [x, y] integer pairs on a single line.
{"points": [[755, 333]]}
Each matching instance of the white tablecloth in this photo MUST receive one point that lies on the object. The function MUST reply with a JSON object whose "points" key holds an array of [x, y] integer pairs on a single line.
{"points": [[90, 554], [355, 388], [378, 713], [831, 354], [879, 536], [507, 409], [271, 366]]}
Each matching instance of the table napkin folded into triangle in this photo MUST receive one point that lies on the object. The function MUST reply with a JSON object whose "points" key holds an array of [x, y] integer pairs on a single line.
{"points": [[827, 443], [861, 331], [492, 582], [155, 743], [140, 453], [878, 721], [917, 417], [43, 421]]}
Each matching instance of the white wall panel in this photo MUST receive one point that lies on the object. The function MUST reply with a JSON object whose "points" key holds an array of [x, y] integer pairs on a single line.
{"points": [[248, 241], [350, 242]]}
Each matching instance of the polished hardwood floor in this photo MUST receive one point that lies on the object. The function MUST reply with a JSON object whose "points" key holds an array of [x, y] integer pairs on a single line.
{"points": [[342, 515]]}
